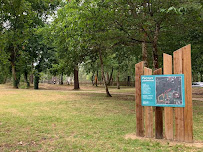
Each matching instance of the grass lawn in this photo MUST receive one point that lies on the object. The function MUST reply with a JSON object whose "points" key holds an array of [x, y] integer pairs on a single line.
{"points": [[67, 120]]}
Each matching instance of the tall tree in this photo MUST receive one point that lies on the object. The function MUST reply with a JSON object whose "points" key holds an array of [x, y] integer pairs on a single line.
{"points": [[18, 18]]}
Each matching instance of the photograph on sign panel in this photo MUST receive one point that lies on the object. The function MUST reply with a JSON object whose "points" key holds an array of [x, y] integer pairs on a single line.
{"points": [[168, 90]]}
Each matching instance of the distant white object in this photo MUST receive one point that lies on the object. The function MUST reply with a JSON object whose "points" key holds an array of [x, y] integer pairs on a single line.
{"points": [[197, 84], [69, 80]]}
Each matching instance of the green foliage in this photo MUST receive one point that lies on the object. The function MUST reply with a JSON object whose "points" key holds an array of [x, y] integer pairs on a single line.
{"points": [[118, 28], [4, 67], [19, 18], [82, 29]]}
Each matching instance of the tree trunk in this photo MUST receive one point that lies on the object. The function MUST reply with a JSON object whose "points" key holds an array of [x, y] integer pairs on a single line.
{"points": [[144, 45], [61, 79], [36, 81], [32, 75], [93, 79], [155, 49], [76, 79], [103, 75], [128, 82], [155, 56], [111, 77], [107, 78], [96, 79], [26, 79], [15, 80], [144, 53], [5, 79], [31, 78], [118, 82]]}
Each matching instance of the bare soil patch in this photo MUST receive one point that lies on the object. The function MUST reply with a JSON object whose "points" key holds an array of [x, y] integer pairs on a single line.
{"points": [[197, 93], [44, 86], [197, 144]]}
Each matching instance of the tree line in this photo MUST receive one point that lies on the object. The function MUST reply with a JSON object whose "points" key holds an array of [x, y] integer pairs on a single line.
{"points": [[107, 37]]}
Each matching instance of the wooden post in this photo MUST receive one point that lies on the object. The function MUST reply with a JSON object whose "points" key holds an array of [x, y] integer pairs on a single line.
{"points": [[179, 111], [168, 111], [148, 112], [139, 109], [158, 115], [188, 113]]}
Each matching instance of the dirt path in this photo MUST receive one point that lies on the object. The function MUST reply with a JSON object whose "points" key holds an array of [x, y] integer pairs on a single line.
{"points": [[197, 99], [115, 93], [197, 92], [122, 93]]}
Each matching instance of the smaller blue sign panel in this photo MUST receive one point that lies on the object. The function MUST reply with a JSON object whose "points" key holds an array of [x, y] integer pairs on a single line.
{"points": [[163, 90]]}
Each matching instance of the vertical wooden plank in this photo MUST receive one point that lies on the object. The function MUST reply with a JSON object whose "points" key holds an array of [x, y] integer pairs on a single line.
{"points": [[158, 115], [168, 111], [148, 110], [188, 113], [179, 112], [139, 70]]}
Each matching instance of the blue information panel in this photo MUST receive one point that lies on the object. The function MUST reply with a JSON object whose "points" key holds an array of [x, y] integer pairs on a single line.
{"points": [[163, 90]]}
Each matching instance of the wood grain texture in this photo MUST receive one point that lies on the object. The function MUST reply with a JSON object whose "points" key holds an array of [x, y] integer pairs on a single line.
{"points": [[179, 111], [158, 115], [168, 111], [188, 112], [139, 70], [148, 110]]}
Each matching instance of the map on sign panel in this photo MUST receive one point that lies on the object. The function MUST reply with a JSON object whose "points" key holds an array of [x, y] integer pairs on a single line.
{"points": [[163, 90]]}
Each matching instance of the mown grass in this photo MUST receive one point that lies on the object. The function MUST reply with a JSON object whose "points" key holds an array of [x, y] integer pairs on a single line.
{"points": [[55, 120]]}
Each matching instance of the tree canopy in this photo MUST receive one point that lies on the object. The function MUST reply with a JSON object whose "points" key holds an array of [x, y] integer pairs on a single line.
{"points": [[106, 37]]}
